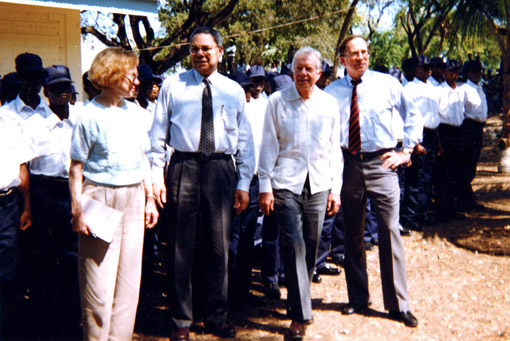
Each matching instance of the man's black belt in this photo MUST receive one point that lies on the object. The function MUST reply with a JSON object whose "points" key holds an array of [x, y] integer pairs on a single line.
{"points": [[202, 157], [7, 195], [473, 123], [54, 185], [49, 178], [367, 156]]}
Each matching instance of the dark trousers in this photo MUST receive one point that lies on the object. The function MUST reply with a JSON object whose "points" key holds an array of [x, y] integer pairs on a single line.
{"points": [[9, 227], [242, 245], [419, 181], [370, 224], [54, 268], [300, 218], [472, 137], [272, 265], [200, 196], [450, 168], [367, 179], [332, 239]]}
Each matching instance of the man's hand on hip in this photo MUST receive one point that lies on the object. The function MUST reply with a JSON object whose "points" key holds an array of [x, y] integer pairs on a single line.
{"points": [[394, 159]]}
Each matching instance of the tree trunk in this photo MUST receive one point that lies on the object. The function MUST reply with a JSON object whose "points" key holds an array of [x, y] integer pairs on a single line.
{"points": [[341, 36], [505, 132]]}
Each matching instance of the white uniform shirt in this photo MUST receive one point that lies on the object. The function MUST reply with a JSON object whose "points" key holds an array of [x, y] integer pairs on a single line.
{"points": [[426, 97], [14, 150], [255, 112], [432, 81], [24, 111], [301, 139], [451, 105], [52, 140], [475, 102]]}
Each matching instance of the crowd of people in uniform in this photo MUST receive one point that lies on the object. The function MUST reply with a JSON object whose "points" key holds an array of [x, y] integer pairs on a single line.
{"points": [[289, 170]]}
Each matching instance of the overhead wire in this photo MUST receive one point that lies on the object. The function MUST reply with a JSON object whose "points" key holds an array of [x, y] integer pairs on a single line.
{"points": [[299, 21]]}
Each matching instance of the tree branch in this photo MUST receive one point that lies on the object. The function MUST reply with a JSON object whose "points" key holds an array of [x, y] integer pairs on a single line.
{"points": [[343, 32]]}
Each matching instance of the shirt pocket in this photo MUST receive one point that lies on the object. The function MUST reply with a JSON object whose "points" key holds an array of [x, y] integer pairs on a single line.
{"points": [[229, 117]]}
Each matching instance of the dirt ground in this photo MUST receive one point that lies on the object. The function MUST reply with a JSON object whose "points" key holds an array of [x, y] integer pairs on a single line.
{"points": [[458, 278]]}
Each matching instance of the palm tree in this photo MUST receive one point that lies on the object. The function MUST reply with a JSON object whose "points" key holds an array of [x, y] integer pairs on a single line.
{"points": [[490, 17]]}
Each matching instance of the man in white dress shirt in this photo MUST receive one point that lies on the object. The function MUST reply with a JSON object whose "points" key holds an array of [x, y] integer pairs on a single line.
{"points": [[300, 176], [475, 109], [367, 101], [202, 115]]}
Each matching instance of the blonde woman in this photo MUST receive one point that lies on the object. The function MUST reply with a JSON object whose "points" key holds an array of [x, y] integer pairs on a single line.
{"points": [[108, 150]]}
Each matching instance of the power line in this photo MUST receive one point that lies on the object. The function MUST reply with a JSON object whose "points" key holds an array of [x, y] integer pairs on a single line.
{"points": [[260, 30]]}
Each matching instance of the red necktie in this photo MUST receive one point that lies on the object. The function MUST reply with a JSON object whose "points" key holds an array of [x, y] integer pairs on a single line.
{"points": [[354, 135]]}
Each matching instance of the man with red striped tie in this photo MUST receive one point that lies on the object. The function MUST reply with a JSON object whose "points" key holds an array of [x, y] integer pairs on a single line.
{"points": [[367, 102]]}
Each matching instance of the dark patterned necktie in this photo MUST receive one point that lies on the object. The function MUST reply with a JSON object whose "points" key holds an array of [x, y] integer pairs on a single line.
{"points": [[354, 129], [206, 145]]}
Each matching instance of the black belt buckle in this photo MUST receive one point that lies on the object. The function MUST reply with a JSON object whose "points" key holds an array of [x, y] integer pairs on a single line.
{"points": [[364, 156], [205, 156]]}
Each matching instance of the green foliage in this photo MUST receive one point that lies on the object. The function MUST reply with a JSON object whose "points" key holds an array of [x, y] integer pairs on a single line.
{"points": [[389, 48]]}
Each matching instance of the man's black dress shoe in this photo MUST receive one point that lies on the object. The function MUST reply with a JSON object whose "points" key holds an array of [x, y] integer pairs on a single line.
{"points": [[350, 309], [316, 278], [296, 331], [405, 232], [224, 330], [272, 290], [339, 259], [180, 334], [404, 316], [329, 271]]}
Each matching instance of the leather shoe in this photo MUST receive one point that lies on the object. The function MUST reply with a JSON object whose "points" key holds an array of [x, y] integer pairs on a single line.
{"points": [[180, 334], [339, 259], [404, 316], [316, 278], [224, 330], [375, 241], [296, 331], [329, 271], [350, 309], [272, 290], [405, 232]]}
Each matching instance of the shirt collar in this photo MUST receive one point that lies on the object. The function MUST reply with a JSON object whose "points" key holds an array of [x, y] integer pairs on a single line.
{"points": [[472, 84], [348, 78], [290, 93], [213, 77], [20, 105]]}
